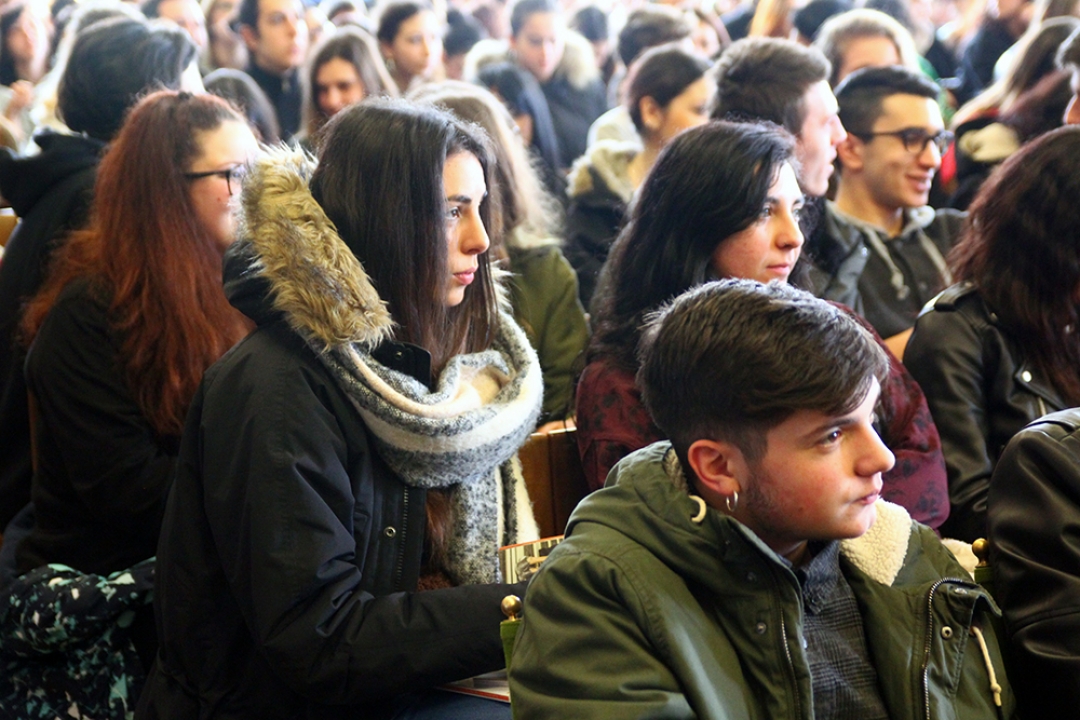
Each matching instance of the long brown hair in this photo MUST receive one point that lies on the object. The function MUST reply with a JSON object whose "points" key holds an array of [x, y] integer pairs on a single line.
{"points": [[1021, 247], [156, 266]]}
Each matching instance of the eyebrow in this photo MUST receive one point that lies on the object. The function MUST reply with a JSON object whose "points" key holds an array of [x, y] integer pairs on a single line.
{"points": [[463, 199]]}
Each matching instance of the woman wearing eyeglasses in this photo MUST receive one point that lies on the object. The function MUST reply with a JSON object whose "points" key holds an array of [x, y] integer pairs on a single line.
{"points": [[131, 316], [1000, 349]]}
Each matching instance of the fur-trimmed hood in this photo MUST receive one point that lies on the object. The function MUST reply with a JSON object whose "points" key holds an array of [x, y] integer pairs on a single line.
{"points": [[578, 64], [606, 162], [289, 245]]}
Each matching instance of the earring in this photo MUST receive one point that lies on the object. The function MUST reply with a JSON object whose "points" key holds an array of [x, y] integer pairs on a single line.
{"points": [[732, 502], [391, 65]]}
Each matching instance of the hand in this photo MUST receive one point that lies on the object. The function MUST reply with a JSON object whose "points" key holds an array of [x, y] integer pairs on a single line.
{"points": [[23, 95]]}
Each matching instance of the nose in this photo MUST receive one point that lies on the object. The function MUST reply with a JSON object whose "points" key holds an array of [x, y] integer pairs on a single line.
{"points": [[474, 238], [1072, 112], [837, 132], [333, 101], [930, 157], [874, 456], [788, 233], [290, 28]]}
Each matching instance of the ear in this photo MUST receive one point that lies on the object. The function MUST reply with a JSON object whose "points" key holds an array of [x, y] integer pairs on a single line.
{"points": [[850, 153], [386, 49], [719, 465], [250, 36], [652, 115]]}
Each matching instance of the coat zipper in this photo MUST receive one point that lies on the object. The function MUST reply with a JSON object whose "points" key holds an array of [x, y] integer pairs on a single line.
{"points": [[791, 665], [401, 551], [930, 638]]}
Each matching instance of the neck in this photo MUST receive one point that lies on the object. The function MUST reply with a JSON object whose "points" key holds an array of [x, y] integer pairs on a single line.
{"points": [[853, 198], [642, 163]]}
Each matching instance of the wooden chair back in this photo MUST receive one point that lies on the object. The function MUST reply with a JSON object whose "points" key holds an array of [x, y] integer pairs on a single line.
{"points": [[554, 477]]}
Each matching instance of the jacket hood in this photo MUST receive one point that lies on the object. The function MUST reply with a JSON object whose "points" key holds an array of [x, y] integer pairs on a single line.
{"points": [[650, 505], [578, 63], [604, 170], [290, 254], [23, 181]]}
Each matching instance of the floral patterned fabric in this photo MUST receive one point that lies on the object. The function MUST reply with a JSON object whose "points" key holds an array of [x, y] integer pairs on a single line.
{"points": [[65, 649]]}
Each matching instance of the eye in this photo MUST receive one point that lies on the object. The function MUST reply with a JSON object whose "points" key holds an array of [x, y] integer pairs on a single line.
{"points": [[832, 437], [453, 213]]}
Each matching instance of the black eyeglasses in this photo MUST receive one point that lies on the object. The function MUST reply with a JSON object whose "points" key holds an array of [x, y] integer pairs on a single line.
{"points": [[915, 139], [236, 173]]}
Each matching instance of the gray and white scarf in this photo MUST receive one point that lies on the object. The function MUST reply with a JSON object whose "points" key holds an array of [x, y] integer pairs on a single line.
{"points": [[462, 435]]}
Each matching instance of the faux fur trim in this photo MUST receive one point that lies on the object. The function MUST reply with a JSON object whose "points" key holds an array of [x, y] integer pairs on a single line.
{"points": [[316, 281], [611, 160], [578, 63], [881, 550]]}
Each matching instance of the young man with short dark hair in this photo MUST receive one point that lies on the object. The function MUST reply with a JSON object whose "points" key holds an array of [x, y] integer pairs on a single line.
{"points": [[276, 36], [896, 137], [747, 568], [787, 84]]}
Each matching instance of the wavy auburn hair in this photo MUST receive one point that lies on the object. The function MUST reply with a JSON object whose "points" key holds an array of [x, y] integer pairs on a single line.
{"points": [[151, 260], [1021, 247]]}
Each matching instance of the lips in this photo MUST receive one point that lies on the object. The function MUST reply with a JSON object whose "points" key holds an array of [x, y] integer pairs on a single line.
{"points": [[466, 278]]}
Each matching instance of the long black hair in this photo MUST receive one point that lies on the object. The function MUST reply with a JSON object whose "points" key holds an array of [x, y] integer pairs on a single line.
{"points": [[708, 184], [380, 180]]}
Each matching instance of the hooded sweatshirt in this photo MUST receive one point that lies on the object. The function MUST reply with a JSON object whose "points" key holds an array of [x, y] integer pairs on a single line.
{"points": [[51, 193]]}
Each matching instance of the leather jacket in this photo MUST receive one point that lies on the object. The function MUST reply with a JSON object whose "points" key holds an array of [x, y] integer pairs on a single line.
{"points": [[1033, 511], [981, 390]]}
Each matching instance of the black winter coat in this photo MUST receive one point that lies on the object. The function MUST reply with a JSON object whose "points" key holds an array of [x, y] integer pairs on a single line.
{"points": [[981, 390], [290, 551]]}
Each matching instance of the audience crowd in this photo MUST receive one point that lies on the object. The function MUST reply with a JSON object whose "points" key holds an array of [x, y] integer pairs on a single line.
{"points": [[285, 285]]}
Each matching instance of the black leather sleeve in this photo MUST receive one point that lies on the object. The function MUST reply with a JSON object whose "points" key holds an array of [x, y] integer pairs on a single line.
{"points": [[1034, 516]]}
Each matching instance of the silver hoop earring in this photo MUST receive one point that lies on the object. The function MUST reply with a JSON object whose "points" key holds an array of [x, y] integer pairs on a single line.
{"points": [[732, 502]]}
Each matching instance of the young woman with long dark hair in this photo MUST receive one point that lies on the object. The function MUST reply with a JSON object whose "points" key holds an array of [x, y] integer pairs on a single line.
{"points": [[722, 201], [344, 68], [349, 471], [543, 287], [1000, 349], [410, 39]]}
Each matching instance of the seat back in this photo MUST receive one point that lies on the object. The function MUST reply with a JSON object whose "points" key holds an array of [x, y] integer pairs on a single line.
{"points": [[554, 477]]}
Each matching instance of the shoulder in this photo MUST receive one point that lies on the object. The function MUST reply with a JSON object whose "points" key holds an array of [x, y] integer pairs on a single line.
{"points": [[960, 298], [946, 225]]}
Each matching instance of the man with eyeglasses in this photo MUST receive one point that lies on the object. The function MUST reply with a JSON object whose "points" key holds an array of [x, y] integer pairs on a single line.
{"points": [[895, 140]]}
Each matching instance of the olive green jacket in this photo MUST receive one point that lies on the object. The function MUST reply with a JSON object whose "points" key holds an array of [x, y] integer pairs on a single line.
{"points": [[643, 613], [544, 296]]}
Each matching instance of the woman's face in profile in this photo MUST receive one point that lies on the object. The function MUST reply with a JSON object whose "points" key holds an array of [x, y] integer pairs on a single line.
{"points": [[768, 248], [466, 236], [214, 177]]}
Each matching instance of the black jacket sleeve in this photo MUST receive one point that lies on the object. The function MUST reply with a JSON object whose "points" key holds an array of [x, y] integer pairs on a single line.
{"points": [[1034, 510]]}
